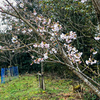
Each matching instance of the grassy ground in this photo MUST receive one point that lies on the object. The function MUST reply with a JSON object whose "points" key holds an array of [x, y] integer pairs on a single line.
{"points": [[26, 88]]}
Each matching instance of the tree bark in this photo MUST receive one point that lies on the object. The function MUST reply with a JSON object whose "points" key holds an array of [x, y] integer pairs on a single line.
{"points": [[88, 83], [9, 73], [85, 80], [42, 84]]}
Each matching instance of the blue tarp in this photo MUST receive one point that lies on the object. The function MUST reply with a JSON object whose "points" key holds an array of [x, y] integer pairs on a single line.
{"points": [[5, 71], [2, 75]]}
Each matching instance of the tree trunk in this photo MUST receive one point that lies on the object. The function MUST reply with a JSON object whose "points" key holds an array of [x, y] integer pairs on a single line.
{"points": [[9, 73], [88, 83], [42, 85], [85, 80]]}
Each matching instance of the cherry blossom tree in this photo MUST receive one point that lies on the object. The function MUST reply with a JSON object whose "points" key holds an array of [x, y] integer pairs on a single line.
{"points": [[46, 39]]}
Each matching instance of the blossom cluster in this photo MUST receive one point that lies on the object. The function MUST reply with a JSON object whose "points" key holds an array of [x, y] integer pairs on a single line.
{"points": [[81, 0], [14, 39], [38, 60], [68, 37], [53, 50], [34, 13], [73, 54], [91, 61], [45, 56], [42, 45], [56, 27], [40, 19], [1, 47], [21, 5], [93, 51], [45, 25], [97, 38]]}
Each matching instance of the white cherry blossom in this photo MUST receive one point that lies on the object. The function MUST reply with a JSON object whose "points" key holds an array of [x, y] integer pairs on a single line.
{"points": [[35, 45], [54, 50], [95, 52], [30, 30], [21, 5], [90, 61], [24, 31], [49, 22], [32, 56], [34, 13], [1, 47], [46, 56], [47, 45], [56, 27], [42, 44], [97, 38], [14, 39], [62, 36], [83, 1]]}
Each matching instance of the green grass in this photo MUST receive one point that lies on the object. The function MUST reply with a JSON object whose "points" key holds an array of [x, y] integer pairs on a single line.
{"points": [[26, 88]]}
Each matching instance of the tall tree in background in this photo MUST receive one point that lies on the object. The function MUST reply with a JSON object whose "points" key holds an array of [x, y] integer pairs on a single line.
{"points": [[96, 4]]}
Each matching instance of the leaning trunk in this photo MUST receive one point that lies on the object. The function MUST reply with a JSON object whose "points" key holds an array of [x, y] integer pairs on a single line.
{"points": [[85, 80], [88, 83]]}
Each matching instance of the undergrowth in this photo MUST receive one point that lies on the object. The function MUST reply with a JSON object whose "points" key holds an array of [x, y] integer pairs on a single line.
{"points": [[26, 88]]}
